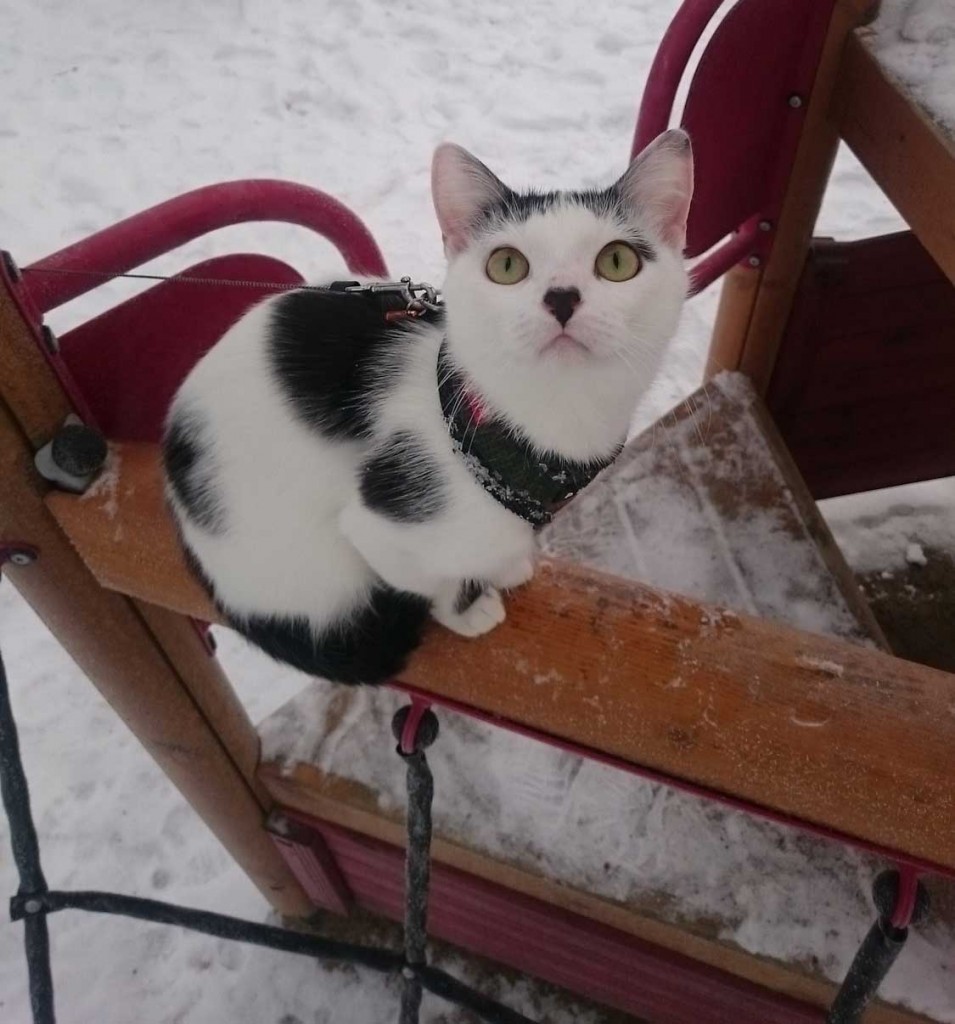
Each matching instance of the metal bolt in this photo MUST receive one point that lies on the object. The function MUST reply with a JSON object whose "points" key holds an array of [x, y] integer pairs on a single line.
{"points": [[17, 552], [795, 101], [278, 824], [33, 906], [78, 450], [50, 340], [765, 225], [11, 266], [754, 261]]}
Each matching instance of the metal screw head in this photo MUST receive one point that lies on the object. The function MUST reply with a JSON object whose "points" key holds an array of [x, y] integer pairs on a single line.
{"points": [[50, 339], [11, 266], [33, 906], [754, 261], [765, 225], [795, 101], [78, 449]]}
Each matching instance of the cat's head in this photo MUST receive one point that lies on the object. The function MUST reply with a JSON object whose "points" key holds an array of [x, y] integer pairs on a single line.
{"points": [[569, 287]]}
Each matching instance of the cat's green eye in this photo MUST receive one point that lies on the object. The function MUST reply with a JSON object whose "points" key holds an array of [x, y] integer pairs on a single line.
{"points": [[617, 261], [507, 266]]}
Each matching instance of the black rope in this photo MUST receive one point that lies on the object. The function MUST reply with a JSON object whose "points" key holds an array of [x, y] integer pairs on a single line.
{"points": [[220, 926], [879, 950], [34, 901], [871, 964], [417, 880], [26, 856]]}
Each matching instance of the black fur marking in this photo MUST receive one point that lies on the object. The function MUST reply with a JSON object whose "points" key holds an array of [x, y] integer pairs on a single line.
{"points": [[470, 591], [371, 647], [608, 202], [324, 349], [190, 469], [402, 481]]}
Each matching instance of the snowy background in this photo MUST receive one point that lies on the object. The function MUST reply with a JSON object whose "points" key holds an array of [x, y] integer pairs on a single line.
{"points": [[112, 106]]}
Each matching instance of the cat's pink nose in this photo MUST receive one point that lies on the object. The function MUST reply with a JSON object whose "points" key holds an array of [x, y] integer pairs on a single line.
{"points": [[562, 302]]}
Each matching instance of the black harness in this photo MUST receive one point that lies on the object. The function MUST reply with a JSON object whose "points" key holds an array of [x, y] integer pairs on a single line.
{"points": [[503, 462]]}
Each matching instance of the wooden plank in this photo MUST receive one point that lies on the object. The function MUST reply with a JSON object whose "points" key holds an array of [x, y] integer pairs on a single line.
{"points": [[911, 158], [176, 701], [330, 798], [755, 304], [803, 725], [707, 502], [121, 525]]}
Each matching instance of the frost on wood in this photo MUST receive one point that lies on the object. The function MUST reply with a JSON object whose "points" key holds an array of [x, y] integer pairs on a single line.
{"points": [[700, 504], [915, 41]]}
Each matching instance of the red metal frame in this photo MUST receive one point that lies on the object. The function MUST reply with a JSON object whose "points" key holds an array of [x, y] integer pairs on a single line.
{"points": [[311, 862], [744, 112], [160, 229]]}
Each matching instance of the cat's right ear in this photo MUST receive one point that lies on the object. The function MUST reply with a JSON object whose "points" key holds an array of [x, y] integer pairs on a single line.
{"points": [[659, 185], [461, 187]]}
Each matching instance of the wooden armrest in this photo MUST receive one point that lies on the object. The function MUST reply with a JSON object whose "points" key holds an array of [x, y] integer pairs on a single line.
{"points": [[123, 531], [909, 156], [833, 733]]}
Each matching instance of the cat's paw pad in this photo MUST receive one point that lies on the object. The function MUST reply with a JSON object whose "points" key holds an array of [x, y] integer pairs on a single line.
{"points": [[486, 612]]}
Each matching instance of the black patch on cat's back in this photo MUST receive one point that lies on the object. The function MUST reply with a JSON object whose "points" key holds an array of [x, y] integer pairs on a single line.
{"points": [[370, 647], [324, 348], [191, 471], [402, 481]]}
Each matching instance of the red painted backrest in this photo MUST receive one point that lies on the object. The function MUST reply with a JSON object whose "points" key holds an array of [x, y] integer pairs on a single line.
{"points": [[123, 367], [744, 112], [128, 363]]}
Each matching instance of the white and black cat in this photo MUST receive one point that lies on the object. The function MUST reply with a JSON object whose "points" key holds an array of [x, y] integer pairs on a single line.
{"points": [[336, 477]]}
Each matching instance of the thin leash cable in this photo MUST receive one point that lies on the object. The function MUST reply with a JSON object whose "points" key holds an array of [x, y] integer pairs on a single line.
{"points": [[419, 295], [108, 275]]}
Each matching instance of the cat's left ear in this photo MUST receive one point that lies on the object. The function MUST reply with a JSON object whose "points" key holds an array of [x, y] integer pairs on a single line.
{"points": [[461, 187], [658, 184]]}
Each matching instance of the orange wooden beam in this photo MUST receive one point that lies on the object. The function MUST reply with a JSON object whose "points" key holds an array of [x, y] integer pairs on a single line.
{"points": [[833, 733], [911, 159]]}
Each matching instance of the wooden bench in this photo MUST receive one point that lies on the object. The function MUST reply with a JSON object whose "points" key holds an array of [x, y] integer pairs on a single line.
{"points": [[750, 703], [707, 503]]}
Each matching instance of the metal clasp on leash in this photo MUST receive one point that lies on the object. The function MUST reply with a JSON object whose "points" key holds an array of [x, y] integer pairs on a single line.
{"points": [[419, 297]]}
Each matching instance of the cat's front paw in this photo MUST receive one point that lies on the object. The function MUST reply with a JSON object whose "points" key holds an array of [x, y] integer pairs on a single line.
{"points": [[481, 616]]}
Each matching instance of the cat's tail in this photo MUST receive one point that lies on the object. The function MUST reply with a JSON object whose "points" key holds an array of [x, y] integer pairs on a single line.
{"points": [[371, 646]]}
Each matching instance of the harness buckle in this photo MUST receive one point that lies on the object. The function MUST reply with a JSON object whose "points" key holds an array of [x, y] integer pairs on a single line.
{"points": [[419, 296]]}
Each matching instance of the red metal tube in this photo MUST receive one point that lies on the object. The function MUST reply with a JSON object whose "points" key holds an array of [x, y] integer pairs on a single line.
{"points": [[672, 56], [161, 228]]}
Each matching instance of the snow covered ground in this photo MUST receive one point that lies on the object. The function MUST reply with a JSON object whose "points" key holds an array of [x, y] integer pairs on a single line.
{"points": [[110, 107]]}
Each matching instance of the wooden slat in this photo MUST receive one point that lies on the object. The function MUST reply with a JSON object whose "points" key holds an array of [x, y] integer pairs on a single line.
{"points": [[149, 665], [343, 802], [911, 158], [755, 304], [828, 731]]}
